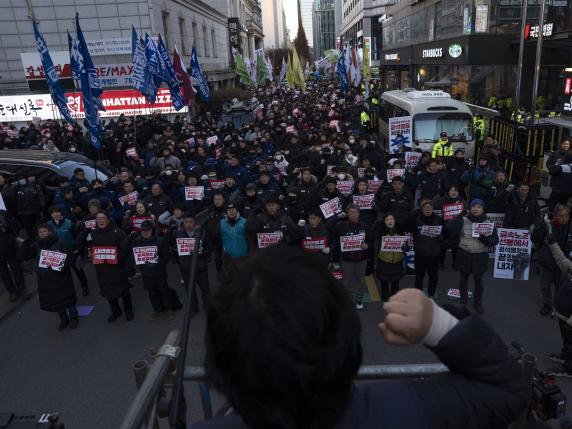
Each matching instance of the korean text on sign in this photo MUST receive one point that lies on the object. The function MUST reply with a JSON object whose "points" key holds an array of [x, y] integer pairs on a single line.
{"points": [[104, 255], [331, 208], [431, 230], [345, 186], [512, 254], [452, 210], [393, 243], [364, 202], [129, 199], [185, 246], [483, 229], [395, 172], [194, 192], [352, 243], [145, 254], [315, 244], [267, 239], [52, 259]]}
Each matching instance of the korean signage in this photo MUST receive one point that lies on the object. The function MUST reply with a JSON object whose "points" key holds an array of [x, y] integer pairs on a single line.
{"points": [[117, 46], [392, 57], [532, 31], [185, 246], [268, 239], [481, 18], [400, 133], [316, 244], [392, 243], [512, 256], [567, 103], [145, 254], [331, 208], [52, 259], [234, 34], [104, 255], [352, 243]]}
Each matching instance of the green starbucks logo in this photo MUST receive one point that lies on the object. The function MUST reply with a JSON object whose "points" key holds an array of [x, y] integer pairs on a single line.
{"points": [[455, 50]]}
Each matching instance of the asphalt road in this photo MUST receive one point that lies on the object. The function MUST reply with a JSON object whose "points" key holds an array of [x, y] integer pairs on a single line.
{"points": [[86, 374]]}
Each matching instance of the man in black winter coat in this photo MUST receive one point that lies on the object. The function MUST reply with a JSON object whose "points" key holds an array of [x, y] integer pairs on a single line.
{"points": [[284, 331], [151, 254], [158, 203], [271, 226], [399, 202], [10, 270], [523, 211], [432, 181]]}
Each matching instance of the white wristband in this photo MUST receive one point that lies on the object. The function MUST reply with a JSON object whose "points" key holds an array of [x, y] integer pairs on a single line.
{"points": [[442, 323]]}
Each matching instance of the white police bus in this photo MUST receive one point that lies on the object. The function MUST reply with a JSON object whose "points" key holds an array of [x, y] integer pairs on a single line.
{"points": [[432, 112]]}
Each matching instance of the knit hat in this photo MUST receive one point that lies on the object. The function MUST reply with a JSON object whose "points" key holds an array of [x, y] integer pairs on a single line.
{"points": [[478, 201], [94, 203]]}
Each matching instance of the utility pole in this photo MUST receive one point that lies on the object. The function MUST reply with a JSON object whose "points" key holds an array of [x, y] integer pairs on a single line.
{"points": [[538, 60], [516, 105]]}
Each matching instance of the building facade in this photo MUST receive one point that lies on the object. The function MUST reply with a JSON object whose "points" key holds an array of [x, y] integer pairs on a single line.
{"points": [[361, 19], [274, 24], [324, 25], [108, 32], [305, 11], [470, 48]]}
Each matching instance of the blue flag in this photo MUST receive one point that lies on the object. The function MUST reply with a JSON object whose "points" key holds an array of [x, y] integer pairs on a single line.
{"points": [[342, 72], [174, 86], [153, 61], [89, 101], [94, 81], [198, 78], [52, 77], [151, 69], [74, 55], [139, 62]]}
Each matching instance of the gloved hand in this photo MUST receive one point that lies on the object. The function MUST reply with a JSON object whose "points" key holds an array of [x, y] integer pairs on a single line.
{"points": [[510, 188], [326, 250], [301, 222]]}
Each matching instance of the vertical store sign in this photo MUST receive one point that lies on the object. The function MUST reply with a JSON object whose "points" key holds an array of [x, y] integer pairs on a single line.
{"points": [[567, 87], [234, 34], [481, 18]]}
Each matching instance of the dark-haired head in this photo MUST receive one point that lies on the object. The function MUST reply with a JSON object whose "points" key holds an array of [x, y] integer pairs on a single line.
{"points": [[283, 341]]}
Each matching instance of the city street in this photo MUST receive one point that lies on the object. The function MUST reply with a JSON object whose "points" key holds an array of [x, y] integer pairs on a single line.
{"points": [[86, 374]]}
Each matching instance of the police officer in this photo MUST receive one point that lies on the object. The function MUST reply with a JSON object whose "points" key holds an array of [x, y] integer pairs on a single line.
{"points": [[443, 147]]}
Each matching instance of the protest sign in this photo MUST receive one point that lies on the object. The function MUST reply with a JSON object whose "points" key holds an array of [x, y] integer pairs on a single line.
{"points": [[145, 254], [211, 141], [194, 193], [456, 294], [267, 239], [431, 230], [335, 124], [374, 185], [89, 224], [512, 255], [338, 275], [496, 218], [364, 202], [315, 244], [104, 254], [392, 243], [399, 133], [329, 169], [483, 229], [331, 208], [360, 172], [394, 172], [412, 160], [130, 198], [215, 184], [185, 246], [450, 211], [136, 222], [346, 187], [351, 243], [131, 152], [52, 259], [290, 129]]}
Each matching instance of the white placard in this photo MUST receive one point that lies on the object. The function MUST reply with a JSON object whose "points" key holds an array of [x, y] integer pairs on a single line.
{"points": [[483, 229], [351, 243], [331, 208], [400, 133], [431, 230], [267, 239], [145, 254], [392, 243], [194, 193], [185, 246], [52, 259], [512, 254]]}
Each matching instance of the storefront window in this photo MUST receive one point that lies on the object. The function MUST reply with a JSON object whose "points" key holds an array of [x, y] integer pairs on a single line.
{"points": [[491, 81], [453, 79]]}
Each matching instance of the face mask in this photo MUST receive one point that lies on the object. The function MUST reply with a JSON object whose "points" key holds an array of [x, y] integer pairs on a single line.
{"points": [[22, 181], [168, 172], [352, 141]]}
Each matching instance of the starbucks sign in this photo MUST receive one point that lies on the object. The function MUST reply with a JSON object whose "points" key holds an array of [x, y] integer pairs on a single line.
{"points": [[455, 50]]}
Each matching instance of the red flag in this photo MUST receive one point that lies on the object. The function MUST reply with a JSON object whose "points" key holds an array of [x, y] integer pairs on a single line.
{"points": [[183, 78]]}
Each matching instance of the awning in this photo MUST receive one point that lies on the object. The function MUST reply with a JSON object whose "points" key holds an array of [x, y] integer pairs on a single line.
{"points": [[559, 122]]}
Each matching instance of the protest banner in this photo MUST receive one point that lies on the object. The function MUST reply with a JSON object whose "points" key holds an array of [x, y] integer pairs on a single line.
{"points": [[394, 172], [346, 187], [104, 254], [145, 254], [136, 222], [392, 243], [364, 202], [185, 246], [431, 230], [216, 184], [130, 198], [412, 160], [483, 229], [351, 243], [267, 239], [399, 133], [131, 152], [512, 255], [374, 185], [36, 120], [450, 211], [89, 224], [52, 259], [331, 208], [314, 244], [194, 193], [211, 141], [496, 218]]}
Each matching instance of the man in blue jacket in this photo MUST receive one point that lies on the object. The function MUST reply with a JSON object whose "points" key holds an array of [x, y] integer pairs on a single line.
{"points": [[300, 350], [233, 238]]}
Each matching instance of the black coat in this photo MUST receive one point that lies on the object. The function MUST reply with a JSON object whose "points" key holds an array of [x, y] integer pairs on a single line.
{"points": [[521, 215], [425, 245], [112, 279], [7, 235], [55, 288], [150, 269]]}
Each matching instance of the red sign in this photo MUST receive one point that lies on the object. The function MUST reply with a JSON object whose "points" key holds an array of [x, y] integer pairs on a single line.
{"points": [[364, 202], [136, 222], [568, 86], [216, 184], [315, 245], [452, 210], [104, 254], [89, 224]]}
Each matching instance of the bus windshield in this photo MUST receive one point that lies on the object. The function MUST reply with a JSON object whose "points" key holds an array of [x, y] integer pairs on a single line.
{"points": [[429, 126]]}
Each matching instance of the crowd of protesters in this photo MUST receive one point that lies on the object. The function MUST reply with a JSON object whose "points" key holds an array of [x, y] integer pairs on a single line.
{"points": [[304, 171]]}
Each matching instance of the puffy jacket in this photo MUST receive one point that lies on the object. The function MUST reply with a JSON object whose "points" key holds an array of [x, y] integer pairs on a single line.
{"points": [[344, 228], [7, 235], [264, 223], [205, 250], [431, 184], [159, 205], [522, 215], [499, 196], [480, 180], [65, 230], [233, 237], [153, 269], [442, 148], [563, 236], [399, 204], [425, 245], [559, 165]]}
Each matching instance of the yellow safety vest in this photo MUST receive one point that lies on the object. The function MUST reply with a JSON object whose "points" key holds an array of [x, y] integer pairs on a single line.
{"points": [[441, 150], [364, 118], [374, 101]]}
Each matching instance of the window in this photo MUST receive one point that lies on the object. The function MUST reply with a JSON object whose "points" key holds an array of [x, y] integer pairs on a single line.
{"points": [[205, 45], [165, 18], [213, 37], [183, 35]]}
